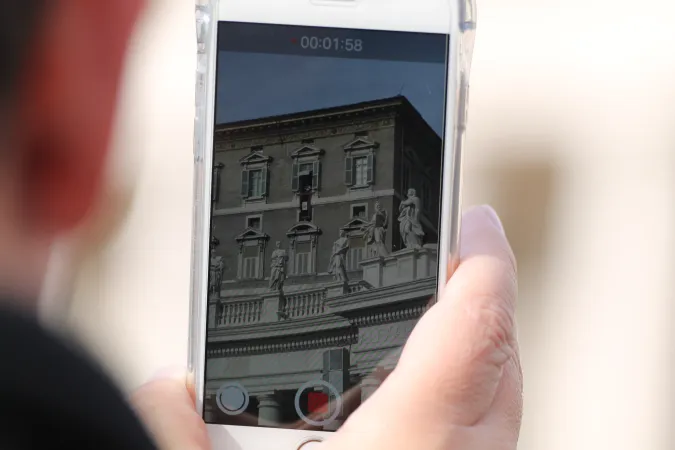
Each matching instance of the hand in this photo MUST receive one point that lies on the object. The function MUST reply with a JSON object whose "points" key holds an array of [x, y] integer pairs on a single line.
{"points": [[457, 386], [167, 407]]}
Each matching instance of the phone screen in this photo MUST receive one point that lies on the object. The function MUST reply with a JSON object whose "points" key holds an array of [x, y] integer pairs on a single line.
{"points": [[327, 162]]}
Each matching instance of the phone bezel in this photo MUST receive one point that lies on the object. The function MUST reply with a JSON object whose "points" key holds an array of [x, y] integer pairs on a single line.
{"points": [[431, 16]]}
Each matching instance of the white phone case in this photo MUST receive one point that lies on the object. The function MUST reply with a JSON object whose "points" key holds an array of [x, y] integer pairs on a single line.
{"points": [[454, 17]]}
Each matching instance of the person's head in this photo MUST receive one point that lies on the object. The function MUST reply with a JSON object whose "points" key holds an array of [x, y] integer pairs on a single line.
{"points": [[61, 66], [278, 244], [378, 207], [411, 192]]}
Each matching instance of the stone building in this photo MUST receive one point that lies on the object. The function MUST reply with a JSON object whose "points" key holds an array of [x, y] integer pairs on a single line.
{"points": [[313, 276]]}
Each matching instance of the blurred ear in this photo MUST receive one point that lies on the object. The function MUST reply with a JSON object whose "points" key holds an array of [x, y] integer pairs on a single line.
{"points": [[66, 105]]}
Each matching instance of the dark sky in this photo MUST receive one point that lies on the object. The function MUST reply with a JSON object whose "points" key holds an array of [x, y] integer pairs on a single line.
{"points": [[255, 85]]}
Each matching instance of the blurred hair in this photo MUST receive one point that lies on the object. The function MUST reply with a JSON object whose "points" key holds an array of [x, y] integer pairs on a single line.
{"points": [[19, 20]]}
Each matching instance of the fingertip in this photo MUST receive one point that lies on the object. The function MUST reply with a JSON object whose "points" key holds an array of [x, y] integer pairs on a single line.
{"points": [[484, 215], [170, 384], [483, 234], [492, 216], [175, 373]]}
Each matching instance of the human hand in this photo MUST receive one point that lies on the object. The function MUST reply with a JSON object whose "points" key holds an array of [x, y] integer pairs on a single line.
{"points": [[457, 385], [167, 407]]}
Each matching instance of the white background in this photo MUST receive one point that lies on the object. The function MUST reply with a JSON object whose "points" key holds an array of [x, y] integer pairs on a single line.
{"points": [[570, 137]]}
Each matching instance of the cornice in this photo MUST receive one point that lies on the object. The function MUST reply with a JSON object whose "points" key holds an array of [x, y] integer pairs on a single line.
{"points": [[411, 312], [342, 339], [281, 329], [389, 295], [304, 118], [315, 338], [264, 137]]}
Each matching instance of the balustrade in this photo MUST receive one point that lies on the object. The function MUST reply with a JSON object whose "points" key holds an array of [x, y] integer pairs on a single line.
{"points": [[305, 304], [241, 313], [295, 305]]}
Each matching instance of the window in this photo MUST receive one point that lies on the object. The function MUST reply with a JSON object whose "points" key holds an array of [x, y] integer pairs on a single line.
{"points": [[255, 183], [251, 243], [306, 176], [255, 176], [361, 171], [251, 259], [359, 167], [303, 258], [302, 251], [360, 211], [254, 222], [215, 181], [356, 253], [306, 171]]}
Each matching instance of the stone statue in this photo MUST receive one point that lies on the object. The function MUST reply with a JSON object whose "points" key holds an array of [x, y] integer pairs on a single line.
{"points": [[278, 268], [376, 231], [409, 218], [338, 265], [216, 268], [214, 242]]}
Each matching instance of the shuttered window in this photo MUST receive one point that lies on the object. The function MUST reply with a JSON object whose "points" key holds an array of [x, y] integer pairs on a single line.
{"points": [[254, 183], [303, 258], [360, 170]]}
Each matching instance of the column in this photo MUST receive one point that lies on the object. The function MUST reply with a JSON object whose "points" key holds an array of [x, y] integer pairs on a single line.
{"points": [[269, 410]]}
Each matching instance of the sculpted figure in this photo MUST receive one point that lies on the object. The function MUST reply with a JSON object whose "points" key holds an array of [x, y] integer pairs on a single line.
{"points": [[376, 231], [409, 220], [216, 268], [278, 268], [338, 265]]}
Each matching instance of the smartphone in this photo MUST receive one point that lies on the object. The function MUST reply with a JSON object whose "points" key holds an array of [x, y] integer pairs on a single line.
{"points": [[328, 147]]}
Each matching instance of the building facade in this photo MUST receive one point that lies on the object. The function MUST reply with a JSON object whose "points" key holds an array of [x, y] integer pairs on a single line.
{"points": [[314, 275]]}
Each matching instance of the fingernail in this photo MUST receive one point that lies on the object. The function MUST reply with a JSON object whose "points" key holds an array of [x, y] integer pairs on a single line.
{"points": [[171, 373], [494, 218]]}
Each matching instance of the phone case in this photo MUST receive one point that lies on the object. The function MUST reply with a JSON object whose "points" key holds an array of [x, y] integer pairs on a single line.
{"points": [[206, 22]]}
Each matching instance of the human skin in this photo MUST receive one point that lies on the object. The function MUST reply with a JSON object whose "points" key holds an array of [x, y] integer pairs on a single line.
{"points": [[457, 386], [458, 382]]}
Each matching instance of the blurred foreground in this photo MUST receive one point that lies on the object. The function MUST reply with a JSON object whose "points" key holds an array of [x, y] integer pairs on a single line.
{"points": [[570, 139]]}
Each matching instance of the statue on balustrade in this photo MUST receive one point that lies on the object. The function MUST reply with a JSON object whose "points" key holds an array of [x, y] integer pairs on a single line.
{"points": [[278, 268], [216, 267], [376, 232], [409, 221], [338, 258]]}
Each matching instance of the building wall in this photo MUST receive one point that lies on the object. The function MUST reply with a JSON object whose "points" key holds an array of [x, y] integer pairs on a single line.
{"points": [[280, 149], [275, 223], [331, 204]]}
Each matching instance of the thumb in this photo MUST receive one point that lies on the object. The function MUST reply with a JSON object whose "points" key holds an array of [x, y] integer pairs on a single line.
{"points": [[166, 406], [457, 383]]}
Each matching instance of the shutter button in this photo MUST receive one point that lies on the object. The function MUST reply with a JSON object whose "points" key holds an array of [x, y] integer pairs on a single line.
{"points": [[311, 444]]}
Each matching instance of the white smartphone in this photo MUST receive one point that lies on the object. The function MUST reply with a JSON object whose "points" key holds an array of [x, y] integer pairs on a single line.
{"points": [[328, 150]]}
